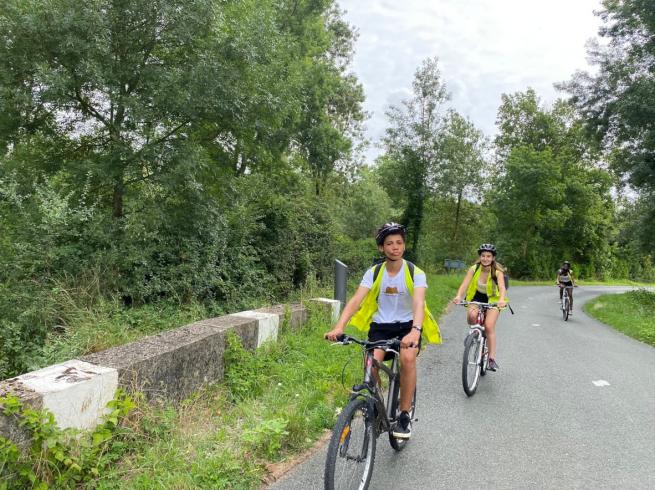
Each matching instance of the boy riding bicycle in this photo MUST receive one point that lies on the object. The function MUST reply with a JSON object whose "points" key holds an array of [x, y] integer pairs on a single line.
{"points": [[390, 303]]}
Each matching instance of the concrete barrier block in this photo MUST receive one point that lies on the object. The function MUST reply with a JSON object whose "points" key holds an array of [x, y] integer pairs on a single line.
{"points": [[9, 427], [268, 324], [333, 306], [76, 392], [296, 314], [174, 364]]}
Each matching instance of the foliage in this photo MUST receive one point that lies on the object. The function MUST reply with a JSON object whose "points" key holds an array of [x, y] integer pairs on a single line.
{"points": [[476, 223], [551, 200], [139, 140], [630, 313], [411, 146], [60, 458], [617, 101]]}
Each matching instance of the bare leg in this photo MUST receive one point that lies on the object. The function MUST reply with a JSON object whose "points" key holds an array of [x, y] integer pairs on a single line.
{"points": [[407, 377], [490, 330], [472, 315]]}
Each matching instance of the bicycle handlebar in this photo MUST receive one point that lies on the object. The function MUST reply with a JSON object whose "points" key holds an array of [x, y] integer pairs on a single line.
{"points": [[387, 345], [485, 306]]}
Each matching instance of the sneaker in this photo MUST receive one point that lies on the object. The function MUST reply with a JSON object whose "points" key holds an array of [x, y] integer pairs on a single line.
{"points": [[493, 365], [403, 427]]}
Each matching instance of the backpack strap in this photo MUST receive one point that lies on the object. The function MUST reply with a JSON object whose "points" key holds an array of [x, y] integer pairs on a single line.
{"points": [[411, 268], [376, 271], [378, 268]]}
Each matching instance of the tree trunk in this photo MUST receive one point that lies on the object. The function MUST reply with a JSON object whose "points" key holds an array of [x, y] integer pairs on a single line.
{"points": [[119, 190], [459, 203]]}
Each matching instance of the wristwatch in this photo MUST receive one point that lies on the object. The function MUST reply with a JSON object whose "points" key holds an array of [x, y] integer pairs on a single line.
{"points": [[418, 327]]}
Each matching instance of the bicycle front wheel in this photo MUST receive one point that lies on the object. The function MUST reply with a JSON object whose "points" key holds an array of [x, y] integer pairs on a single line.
{"points": [[565, 307], [349, 462], [396, 443], [471, 364]]}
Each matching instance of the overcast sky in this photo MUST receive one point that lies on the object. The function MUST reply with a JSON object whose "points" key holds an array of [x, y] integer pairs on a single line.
{"points": [[485, 48]]}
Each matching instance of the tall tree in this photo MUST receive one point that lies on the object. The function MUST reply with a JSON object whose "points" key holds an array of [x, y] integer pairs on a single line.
{"points": [[551, 199], [462, 168], [412, 145], [618, 100]]}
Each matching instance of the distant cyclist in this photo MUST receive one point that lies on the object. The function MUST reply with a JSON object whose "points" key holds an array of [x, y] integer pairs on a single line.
{"points": [[485, 282], [393, 306], [564, 279]]}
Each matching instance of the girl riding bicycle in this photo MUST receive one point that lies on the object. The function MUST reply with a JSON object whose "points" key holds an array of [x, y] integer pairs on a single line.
{"points": [[564, 280], [392, 299], [485, 282]]}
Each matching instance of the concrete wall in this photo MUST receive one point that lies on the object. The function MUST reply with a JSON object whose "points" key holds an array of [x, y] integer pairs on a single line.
{"points": [[167, 366]]}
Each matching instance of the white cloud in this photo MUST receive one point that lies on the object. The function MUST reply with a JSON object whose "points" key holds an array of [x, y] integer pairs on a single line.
{"points": [[485, 48]]}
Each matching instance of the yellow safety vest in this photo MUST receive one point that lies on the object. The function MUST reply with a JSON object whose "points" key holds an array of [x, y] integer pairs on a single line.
{"points": [[493, 292], [362, 319]]}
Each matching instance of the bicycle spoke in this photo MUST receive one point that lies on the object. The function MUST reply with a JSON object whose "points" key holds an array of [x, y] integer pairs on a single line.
{"points": [[351, 451]]}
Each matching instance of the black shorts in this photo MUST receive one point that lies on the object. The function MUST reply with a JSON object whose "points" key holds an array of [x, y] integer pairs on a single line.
{"points": [[386, 331], [480, 297]]}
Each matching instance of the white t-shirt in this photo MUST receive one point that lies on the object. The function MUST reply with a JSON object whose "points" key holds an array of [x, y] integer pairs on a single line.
{"points": [[394, 302]]}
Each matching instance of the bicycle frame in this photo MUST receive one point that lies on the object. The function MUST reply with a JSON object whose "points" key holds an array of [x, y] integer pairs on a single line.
{"points": [[473, 368], [370, 389]]}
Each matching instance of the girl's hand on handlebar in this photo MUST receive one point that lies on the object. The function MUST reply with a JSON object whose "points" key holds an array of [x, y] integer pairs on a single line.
{"points": [[457, 300], [502, 304]]}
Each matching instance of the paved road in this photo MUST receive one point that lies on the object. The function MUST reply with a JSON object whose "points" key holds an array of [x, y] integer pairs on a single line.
{"points": [[540, 422]]}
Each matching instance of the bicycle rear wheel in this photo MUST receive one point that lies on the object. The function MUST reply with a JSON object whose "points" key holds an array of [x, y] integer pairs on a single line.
{"points": [[351, 453], [471, 364]]}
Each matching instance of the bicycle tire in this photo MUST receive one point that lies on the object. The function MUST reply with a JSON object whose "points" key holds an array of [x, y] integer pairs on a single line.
{"points": [[470, 374], [565, 306], [396, 443], [484, 359], [346, 462]]}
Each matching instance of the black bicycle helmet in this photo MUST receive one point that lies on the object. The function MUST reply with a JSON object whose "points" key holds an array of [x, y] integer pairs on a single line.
{"points": [[487, 247], [389, 229]]}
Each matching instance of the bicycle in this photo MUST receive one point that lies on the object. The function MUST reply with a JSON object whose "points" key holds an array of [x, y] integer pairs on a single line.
{"points": [[566, 301], [351, 453], [476, 352]]}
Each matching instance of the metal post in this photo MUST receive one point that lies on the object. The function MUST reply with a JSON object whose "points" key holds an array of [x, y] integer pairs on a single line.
{"points": [[340, 282]]}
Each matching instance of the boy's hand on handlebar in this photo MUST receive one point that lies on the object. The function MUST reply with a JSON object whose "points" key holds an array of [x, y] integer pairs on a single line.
{"points": [[333, 334], [411, 339]]}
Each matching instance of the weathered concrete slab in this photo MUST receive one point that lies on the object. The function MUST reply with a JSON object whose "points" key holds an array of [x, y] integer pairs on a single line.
{"points": [[295, 314], [76, 393], [268, 324], [333, 306], [9, 427], [170, 365], [174, 364]]}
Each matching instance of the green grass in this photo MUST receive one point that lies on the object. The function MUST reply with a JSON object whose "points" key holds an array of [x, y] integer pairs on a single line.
{"points": [[271, 406], [441, 290], [630, 313]]}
